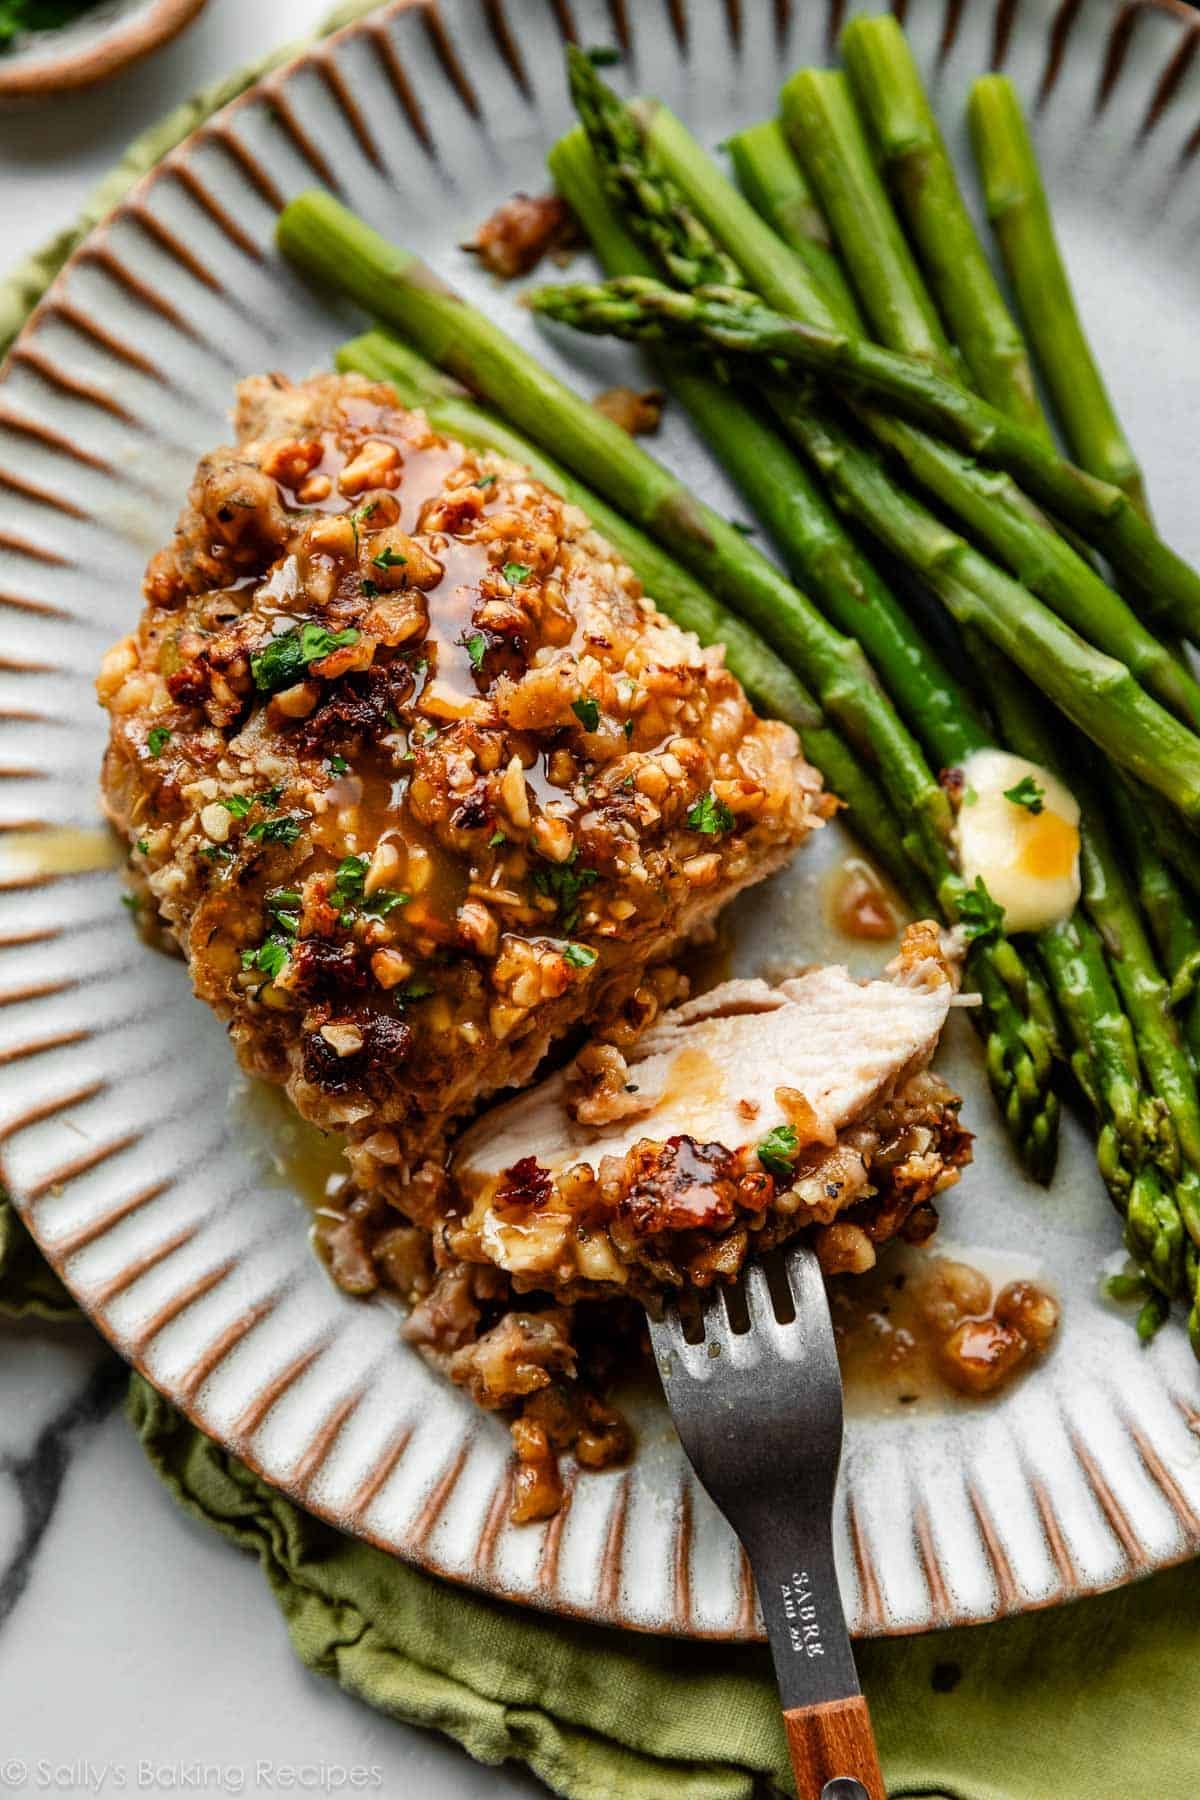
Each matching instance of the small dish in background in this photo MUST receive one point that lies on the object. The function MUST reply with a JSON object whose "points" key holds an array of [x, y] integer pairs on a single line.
{"points": [[88, 48]]}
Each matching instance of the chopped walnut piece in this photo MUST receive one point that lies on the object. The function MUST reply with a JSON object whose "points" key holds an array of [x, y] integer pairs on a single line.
{"points": [[520, 232], [638, 414]]}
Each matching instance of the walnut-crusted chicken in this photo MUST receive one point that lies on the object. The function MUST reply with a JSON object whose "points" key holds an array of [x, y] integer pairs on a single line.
{"points": [[661, 1164], [412, 770]]}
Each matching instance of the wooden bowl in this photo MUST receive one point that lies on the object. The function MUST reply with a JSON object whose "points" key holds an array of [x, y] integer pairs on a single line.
{"points": [[92, 48]]}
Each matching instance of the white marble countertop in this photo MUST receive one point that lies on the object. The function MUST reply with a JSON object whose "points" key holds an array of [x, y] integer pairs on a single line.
{"points": [[130, 1634]]}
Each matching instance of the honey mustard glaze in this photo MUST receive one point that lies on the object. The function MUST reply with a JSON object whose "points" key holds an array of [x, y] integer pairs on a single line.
{"points": [[924, 1331], [62, 850]]}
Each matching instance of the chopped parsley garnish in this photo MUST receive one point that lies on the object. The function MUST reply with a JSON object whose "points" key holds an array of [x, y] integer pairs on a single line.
{"points": [[602, 56], [363, 512], [393, 718], [627, 728], [565, 883], [277, 831], [338, 765], [978, 913], [388, 559], [777, 1151], [132, 902], [497, 838], [283, 660], [237, 804], [383, 901], [270, 957], [284, 908], [157, 740], [416, 990], [710, 815], [579, 956], [485, 481], [1027, 793], [587, 712], [143, 847], [348, 881], [270, 796], [369, 589], [475, 646], [218, 852], [517, 573]]}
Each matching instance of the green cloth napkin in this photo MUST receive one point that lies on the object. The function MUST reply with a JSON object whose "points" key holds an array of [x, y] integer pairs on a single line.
{"points": [[1092, 1702]]}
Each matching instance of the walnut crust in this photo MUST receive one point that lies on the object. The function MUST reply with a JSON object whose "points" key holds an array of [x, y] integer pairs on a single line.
{"points": [[412, 770]]}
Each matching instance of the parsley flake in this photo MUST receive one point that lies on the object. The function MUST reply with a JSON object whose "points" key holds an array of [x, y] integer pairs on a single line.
{"points": [[979, 915], [497, 838], [277, 831], [388, 559], [270, 958], [338, 765], [565, 883], [348, 882], [485, 481], [143, 847], [383, 901], [587, 712], [475, 646], [627, 728], [579, 956], [415, 990], [284, 907], [710, 815], [517, 573], [1027, 793], [369, 589], [238, 804], [157, 740], [777, 1151], [283, 659]]}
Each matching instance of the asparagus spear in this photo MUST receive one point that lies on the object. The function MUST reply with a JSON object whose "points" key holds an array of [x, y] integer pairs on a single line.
{"points": [[1168, 910], [780, 494], [326, 240], [889, 87], [1017, 208], [1102, 513], [1161, 1211], [1096, 691], [985, 501], [824, 128], [784, 496], [728, 320], [766, 678], [774, 183], [1104, 1055], [910, 147]]}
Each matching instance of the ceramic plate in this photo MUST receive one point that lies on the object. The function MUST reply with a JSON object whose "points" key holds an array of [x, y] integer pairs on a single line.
{"points": [[165, 1192]]}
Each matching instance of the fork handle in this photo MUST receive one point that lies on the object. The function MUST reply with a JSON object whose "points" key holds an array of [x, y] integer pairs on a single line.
{"points": [[832, 1747]]}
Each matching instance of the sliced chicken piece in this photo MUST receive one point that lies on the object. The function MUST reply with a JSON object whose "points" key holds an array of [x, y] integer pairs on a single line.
{"points": [[741, 1117]]}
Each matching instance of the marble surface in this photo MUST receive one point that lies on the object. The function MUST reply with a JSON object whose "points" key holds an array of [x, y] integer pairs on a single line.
{"points": [[166, 1641]]}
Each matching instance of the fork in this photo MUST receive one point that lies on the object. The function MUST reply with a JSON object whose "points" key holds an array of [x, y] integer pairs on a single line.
{"points": [[756, 1395]]}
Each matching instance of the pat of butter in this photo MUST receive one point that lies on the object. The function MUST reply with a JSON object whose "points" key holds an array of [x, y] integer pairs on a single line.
{"points": [[1027, 859]]}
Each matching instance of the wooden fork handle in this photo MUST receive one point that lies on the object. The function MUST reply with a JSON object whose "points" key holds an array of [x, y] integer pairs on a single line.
{"points": [[831, 1741]]}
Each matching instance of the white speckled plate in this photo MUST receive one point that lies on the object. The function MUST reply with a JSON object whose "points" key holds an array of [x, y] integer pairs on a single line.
{"points": [[141, 1173]]}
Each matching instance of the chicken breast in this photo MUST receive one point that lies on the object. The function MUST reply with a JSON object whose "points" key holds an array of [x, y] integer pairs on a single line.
{"points": [[741, 1117], [415, 774]]}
